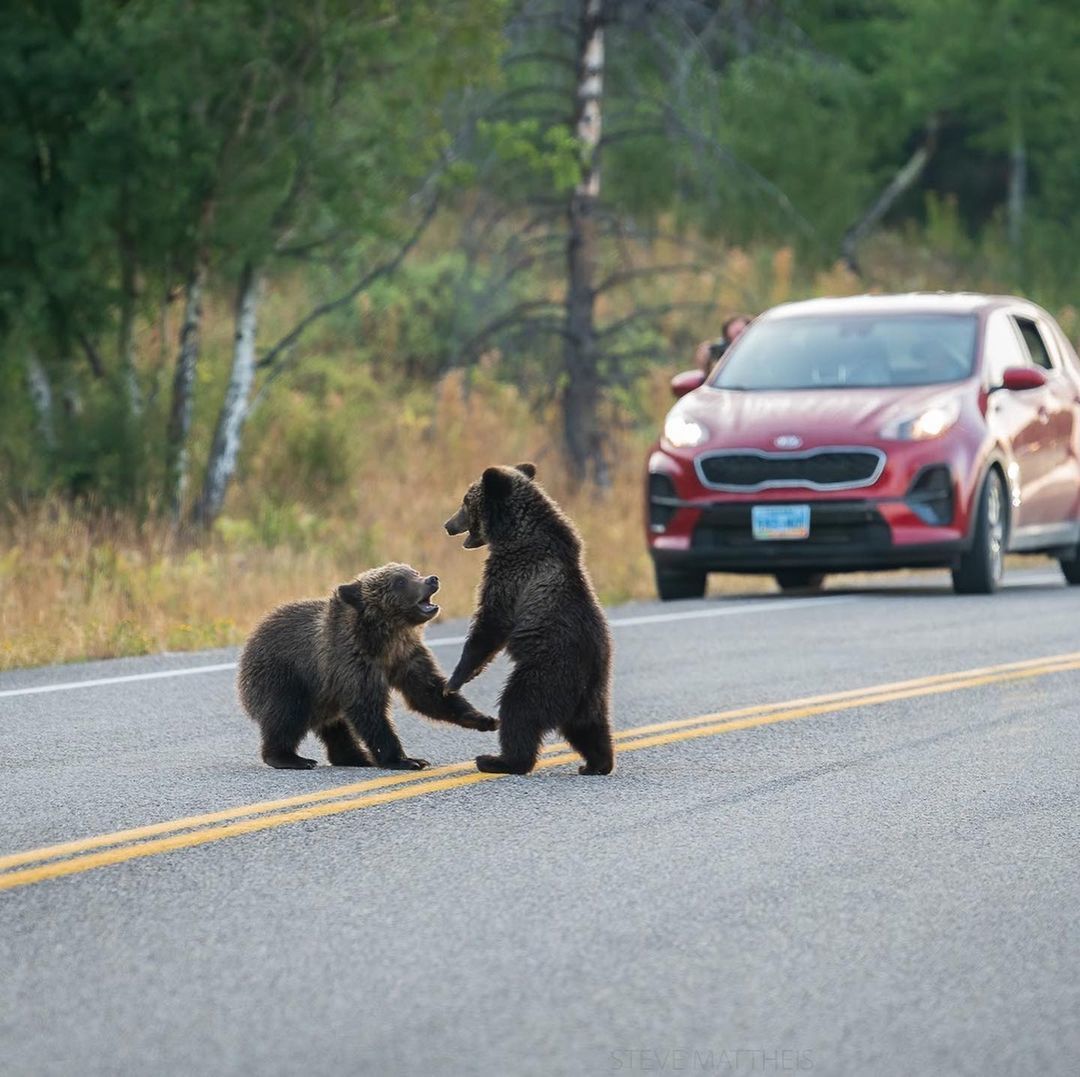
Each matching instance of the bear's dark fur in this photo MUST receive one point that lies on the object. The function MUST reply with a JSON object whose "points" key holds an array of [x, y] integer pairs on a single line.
{"points": [[537, 601], [327, 666]]}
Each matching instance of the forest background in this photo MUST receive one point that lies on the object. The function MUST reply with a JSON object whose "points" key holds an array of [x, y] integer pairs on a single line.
{"points": [[278, 279]]}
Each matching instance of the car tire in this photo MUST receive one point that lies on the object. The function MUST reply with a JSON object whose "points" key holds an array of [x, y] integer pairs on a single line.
{"points": [[799, 579], [673, 584], [981, 568], [1071, 568]]}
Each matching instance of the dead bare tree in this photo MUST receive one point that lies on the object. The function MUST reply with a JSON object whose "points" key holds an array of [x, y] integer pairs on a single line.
{"points": [[904, 179], [558, 64]]}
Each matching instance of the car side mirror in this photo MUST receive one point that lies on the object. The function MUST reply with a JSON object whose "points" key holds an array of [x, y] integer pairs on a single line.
{"points": [[1018, 378], [686, 382]]}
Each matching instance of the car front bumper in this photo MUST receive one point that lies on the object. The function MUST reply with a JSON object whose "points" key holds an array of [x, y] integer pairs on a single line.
{"points": [[916, 516], [845, 536]]}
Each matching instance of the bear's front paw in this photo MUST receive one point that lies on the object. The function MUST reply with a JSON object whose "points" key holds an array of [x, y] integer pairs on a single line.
{"points": [[453, 685], [287, 761], [405, 763], [596, 768], [485, 723]]}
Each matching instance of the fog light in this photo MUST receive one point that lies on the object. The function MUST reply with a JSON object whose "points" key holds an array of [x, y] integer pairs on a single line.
{"points": [[930, 496], [660, 514]]}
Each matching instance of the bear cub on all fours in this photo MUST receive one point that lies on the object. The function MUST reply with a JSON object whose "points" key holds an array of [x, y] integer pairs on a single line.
{"points": [[537, 601], [327, 666]]}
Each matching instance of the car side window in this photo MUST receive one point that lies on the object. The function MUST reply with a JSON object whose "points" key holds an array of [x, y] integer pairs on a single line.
{"points": [[1033, 341], [1066, 352], [1003, 348]]}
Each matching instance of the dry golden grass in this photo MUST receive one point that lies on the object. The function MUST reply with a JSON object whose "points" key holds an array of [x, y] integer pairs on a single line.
{"points": [[77, 585], [343, 472]]}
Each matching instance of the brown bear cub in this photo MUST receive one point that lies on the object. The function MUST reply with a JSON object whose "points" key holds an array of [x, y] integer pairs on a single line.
{"points": [[327, 666], [537, 601]]}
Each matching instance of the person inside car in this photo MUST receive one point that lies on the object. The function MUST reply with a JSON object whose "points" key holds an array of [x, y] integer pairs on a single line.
{"points": [[709, 351]]}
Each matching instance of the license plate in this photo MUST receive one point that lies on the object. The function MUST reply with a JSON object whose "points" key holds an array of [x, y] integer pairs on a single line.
{"points": [[780, 522]]}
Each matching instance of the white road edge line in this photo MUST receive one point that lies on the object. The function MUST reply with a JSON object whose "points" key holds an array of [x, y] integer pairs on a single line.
{"points": [[749, 607], [765, 606]]}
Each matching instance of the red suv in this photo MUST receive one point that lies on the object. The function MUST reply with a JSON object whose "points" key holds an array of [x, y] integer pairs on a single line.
{"points": [[875, 432]]}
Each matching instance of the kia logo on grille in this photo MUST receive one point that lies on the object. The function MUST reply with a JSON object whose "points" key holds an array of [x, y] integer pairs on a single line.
{"points": [[788, 441]]}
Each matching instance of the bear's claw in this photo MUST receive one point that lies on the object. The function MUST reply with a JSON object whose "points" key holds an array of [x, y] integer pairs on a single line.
{"points": [[288, 761], [588, 768], [405, 763]]}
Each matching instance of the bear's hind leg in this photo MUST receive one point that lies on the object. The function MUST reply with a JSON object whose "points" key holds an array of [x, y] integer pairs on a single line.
{"points": [[589, 734], [522, 723], [342, 748], [509, 764], [285, 718]]}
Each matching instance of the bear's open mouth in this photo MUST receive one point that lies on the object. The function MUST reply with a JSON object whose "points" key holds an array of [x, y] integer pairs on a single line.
{"points": [[427, 608]]}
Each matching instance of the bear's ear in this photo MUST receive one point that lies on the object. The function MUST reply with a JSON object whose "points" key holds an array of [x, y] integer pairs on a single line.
{"points": [[351, 594], [497, 484], [528, 470]]}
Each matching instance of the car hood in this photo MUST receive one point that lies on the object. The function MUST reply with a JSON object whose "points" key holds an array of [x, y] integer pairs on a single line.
{"points": [[755, 418]]}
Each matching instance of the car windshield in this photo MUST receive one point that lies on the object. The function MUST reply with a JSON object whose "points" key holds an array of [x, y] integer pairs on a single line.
{"points": [[850, 352]]}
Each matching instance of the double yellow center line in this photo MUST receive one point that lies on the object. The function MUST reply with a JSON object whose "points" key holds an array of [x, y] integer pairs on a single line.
{"points": [[85, 854]]}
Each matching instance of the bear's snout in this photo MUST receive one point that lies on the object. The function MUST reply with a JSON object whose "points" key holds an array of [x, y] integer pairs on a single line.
{"points": [[432, 584], [457, 523]]}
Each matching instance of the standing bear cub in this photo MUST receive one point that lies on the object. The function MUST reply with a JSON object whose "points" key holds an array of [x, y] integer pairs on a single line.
{"points": [[537, 601], [327, 666]]}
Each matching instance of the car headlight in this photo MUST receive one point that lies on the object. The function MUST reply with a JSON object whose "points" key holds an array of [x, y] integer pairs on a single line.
{"points": [[931, 423], [684, 433]]}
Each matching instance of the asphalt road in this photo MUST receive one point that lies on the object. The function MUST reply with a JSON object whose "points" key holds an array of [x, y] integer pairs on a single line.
{"points": [[883, 881]]}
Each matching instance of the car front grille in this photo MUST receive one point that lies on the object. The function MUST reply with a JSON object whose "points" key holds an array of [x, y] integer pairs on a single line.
{"points": [[833, 524], [816, 469]]}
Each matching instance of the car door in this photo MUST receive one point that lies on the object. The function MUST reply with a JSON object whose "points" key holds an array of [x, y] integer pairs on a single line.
{"points": [[1055, 492], [1015, 419], [1068, 385]]}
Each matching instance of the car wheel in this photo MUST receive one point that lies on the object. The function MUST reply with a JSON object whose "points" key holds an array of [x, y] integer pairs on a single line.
{"points": [[799, 579], [673, 584], [981, 568], [1071, 568]]}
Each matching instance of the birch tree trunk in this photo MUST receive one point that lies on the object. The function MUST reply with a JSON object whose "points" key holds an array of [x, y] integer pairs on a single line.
{"points": [[234, 411], [41, 397], [177, 461], [583, 437]]}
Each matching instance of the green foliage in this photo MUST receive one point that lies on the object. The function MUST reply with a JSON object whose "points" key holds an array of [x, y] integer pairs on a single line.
{"points": [[303, 137], [23, 455], [815, 153], [100, 457], [547, 154], [144, 135]]}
